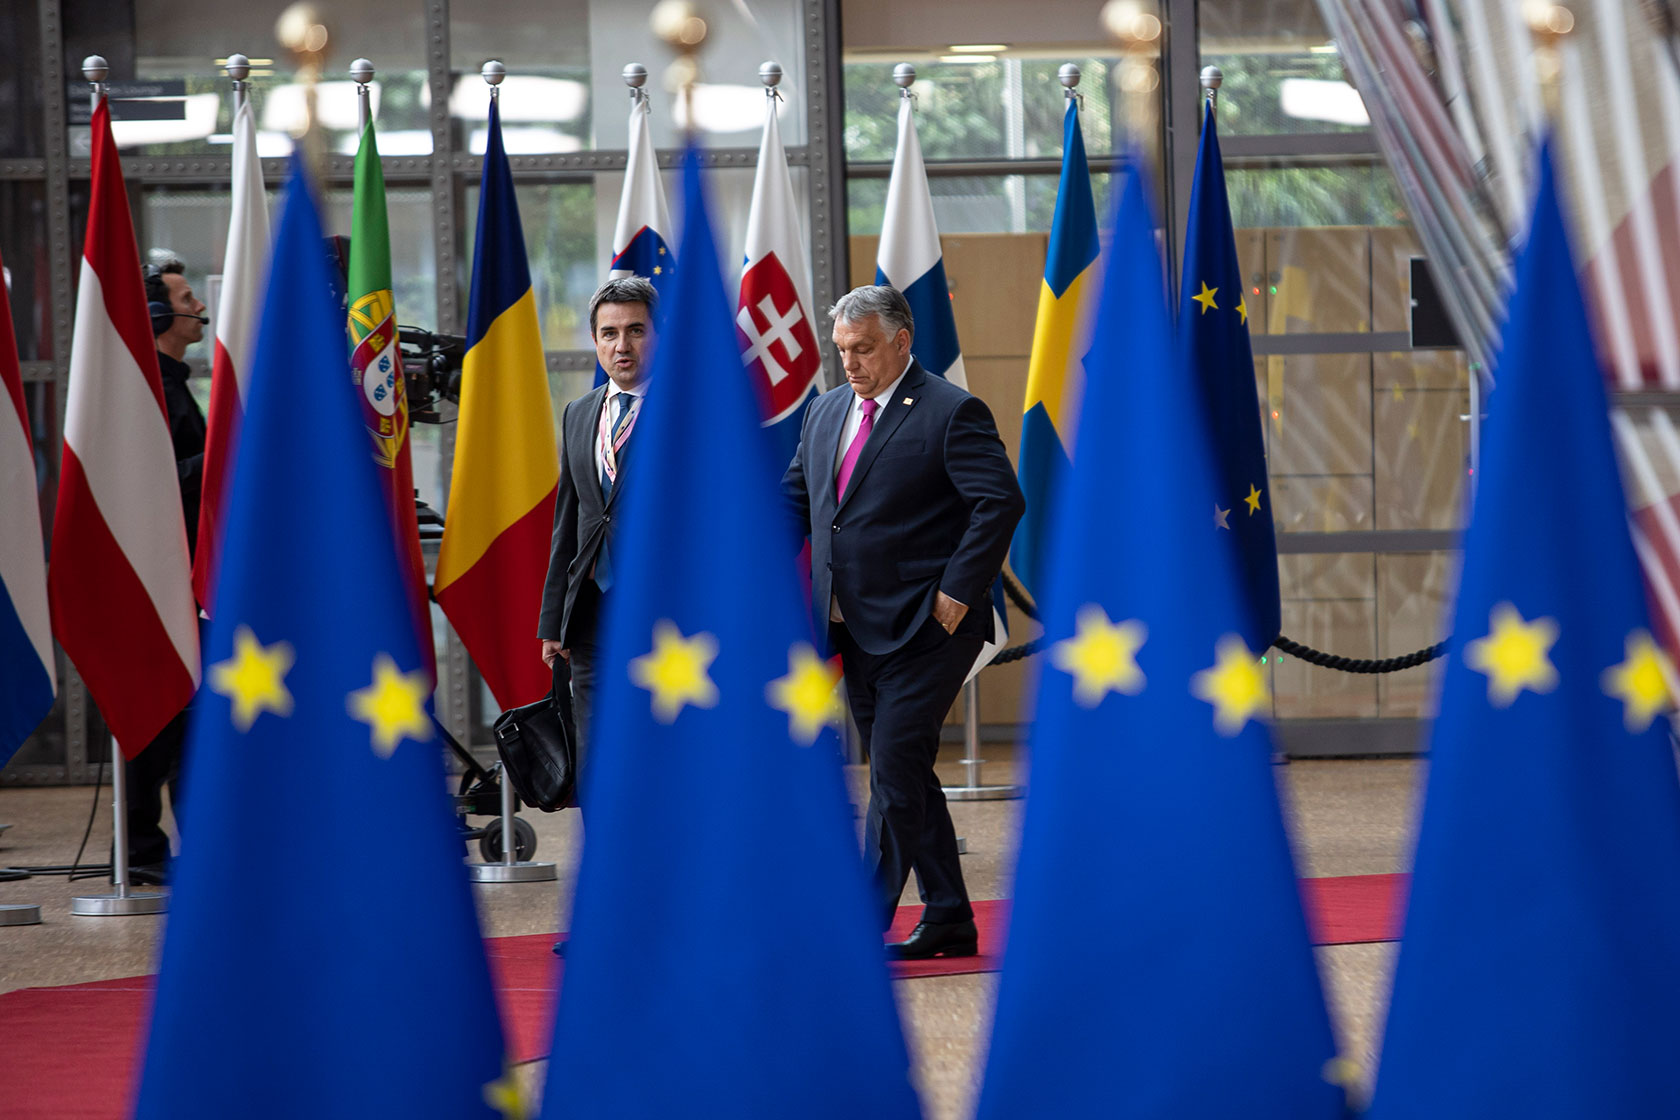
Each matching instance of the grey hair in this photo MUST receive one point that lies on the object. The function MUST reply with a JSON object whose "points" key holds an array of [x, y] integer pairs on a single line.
{"points": [[880, 300], [624, 289]]}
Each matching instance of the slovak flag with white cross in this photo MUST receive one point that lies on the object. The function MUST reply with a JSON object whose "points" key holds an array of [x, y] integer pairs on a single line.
{"points": [[911, 260], [774, 324]]}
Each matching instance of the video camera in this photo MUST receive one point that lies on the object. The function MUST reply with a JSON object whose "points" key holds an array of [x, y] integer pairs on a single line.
{"points": [[431, 362], [431, 367]]}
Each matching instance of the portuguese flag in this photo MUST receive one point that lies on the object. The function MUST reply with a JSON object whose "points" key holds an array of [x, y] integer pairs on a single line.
{"points": [[376, 369]]}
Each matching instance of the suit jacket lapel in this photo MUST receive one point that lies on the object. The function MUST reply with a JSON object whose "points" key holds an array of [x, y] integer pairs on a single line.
{"points": [[588, 481], [895, 412], [825, 443]]}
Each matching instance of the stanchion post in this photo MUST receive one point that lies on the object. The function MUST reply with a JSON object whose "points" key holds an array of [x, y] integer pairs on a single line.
{"points": [[973, 789]]}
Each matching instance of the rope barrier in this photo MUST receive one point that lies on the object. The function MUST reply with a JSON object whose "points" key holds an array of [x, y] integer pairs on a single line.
{"points": [[1283, 644]]}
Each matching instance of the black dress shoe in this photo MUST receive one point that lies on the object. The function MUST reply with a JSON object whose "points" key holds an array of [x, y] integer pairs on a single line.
{"points": [[149, 874], [936, 939]]}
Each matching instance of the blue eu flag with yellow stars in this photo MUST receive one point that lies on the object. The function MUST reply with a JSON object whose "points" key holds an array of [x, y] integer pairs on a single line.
{"points": [[1213, 333], [322, 956], [724, 958], [1158, 964], [1539, 973]]}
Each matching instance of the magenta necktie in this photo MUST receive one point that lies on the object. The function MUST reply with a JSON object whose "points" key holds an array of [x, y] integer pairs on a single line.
{"points": [[856, 449]]}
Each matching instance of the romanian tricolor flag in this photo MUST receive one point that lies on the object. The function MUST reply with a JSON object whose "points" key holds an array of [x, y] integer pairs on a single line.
{"points": [[376, 368], [501, 505], [1053, 377]]}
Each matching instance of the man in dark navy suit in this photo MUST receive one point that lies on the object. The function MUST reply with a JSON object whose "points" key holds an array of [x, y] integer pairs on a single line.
{"points": [[909, 500]]}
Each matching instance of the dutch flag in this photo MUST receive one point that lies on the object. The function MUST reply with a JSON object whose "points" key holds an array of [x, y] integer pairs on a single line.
{"points": [[27, 681]]}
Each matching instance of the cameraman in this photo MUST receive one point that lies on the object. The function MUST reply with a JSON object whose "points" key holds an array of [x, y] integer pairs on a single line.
{"points": [[177, 322]]}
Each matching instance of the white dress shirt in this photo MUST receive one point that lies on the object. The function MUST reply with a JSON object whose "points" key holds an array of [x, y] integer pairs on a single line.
{"points": [[854, 421], [854, 415], [603, 430]]}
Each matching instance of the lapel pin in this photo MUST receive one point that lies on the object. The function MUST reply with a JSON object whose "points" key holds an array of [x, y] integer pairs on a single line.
{"points": [[908, 401]]}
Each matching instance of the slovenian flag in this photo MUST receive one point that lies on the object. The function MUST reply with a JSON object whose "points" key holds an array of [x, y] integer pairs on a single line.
{"points": [[642, 236], [494, 554], [774, 323], [120, 581], [27, 680], [910, 260]]}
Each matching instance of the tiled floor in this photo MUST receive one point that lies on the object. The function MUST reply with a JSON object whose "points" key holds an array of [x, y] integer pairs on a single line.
{"points": [[1350, 818]]}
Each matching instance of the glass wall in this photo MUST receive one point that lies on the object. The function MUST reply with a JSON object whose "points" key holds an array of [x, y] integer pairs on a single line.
{"points": [[563, 107]]}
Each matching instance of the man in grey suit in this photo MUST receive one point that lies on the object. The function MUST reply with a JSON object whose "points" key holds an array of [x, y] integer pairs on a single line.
{"points": [[596, 443]]}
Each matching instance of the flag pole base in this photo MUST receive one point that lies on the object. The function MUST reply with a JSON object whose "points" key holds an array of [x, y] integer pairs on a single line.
{"points": [[983, 793], [20, 914], [512, 872], [120, 905]]}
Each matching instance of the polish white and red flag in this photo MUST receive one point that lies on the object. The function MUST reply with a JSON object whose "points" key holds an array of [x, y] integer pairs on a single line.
{"points": [[119, 582], [237, 312], [773, 319]]}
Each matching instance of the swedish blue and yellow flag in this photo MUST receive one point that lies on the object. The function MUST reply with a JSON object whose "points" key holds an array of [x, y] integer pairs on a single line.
{"points": [[691, 989], [1054, 375], [1537, 976], [289, 987], [1153, 827], [1213, 333]]}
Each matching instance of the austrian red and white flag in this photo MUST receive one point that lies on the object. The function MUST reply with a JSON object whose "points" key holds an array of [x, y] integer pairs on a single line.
{"points": [[773, 318], [237, 312], [120, 580]]}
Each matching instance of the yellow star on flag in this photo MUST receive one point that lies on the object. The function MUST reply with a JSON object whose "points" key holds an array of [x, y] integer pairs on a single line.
{"points": [[1235, 685], [1253, 499], [1221, 517], [394, 706], [254, 678], [1101, 656], [1205, 298], [658, 270], [1640, 682], [1513, 655], [675, 671], [503, 1095], [1242, 309], [808, 694]]}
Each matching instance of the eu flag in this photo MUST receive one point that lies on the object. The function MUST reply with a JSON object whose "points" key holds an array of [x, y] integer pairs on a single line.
{"points": [[1153, 829], [724, 958], [1538, 974], [1213, 333], [295, 982]]}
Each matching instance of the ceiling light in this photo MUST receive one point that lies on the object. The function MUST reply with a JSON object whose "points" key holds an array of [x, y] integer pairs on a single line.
{"points": [[967, 58], [978, 48]]}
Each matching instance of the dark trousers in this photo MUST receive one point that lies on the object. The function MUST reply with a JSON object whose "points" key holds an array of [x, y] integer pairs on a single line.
{"points": [[584, 660], [899, 701], [147, 773]]}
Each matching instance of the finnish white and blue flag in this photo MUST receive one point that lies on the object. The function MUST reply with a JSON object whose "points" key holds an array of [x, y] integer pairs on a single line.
{"points": [[910, 260], [28, 682], [642, 239], [774, 322]]}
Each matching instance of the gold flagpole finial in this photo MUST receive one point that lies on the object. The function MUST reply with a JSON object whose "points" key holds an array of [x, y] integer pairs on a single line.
{"points": [[1137, 29], [1550, 24], [679, 24], [302, 31]]}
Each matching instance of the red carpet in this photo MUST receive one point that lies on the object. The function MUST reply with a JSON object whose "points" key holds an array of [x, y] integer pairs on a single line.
{"points": [[70, 1051]]}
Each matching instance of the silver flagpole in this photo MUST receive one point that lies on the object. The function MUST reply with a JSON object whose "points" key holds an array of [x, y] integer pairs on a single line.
{"points": [[511, 869], [361, 72], [122, 901], [238, 69]]}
